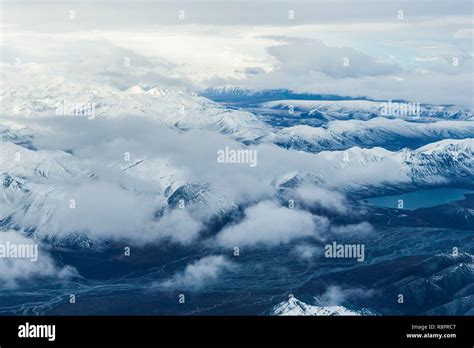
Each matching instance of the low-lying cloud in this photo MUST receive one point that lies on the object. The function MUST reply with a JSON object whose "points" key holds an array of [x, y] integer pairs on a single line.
{"points": [[268, 224], [307, 252], [198, 275], [320, 197], [363, 229], [336, 295], [16, 269]]}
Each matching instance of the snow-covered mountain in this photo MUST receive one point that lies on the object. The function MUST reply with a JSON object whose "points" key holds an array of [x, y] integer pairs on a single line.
{"points": [[347, 123], [177, 108], [37, 184], [15, 136], [328, 107], [37, 187], [241, 95], [295, 307], [317, 122], [442, 283], [38, 166], [366, 109], [447, 158], [388, 133], [229, 91], [357, 170]]}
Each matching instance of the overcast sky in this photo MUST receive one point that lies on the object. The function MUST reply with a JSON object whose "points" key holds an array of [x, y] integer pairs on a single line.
{"points": [[422, 54]]}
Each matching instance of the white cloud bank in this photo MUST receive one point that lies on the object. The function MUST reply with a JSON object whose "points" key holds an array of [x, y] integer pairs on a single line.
{"points": [[336, 295], [363, 229], [307, 252], [237, 45], [196, 276], [268, 224], [15, 269], [320, 197]]}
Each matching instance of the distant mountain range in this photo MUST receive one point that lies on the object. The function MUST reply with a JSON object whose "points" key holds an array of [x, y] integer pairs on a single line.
{"points": [[325, 105], [334, 124], [176, 108], [356, 155]]}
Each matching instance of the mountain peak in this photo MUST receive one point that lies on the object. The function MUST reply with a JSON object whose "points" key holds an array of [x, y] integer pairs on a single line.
{"points": [[135, 90], [458, 145], [295, 307]]}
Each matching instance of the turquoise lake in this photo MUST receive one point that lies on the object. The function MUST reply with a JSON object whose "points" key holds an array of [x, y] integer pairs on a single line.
{"points": [[419, 199]]}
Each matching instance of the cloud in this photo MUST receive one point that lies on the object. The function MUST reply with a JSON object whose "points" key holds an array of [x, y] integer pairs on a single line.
{"points": [[316, 57], [319, 69], [307, 252], [426, 59], [467, 33], [268, 224], [254, 70], [87, 59], [336, 295], [92, 15], [131, 205], [58, 198], [363, 229], [241, 47], [196, 276], [179, 226], [372, 173], [14, 270], [318, 196], [105, 210]]}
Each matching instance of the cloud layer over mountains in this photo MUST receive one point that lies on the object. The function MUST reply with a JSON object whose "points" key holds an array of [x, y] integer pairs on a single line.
{"points": [[390, 55], [144, 170]]}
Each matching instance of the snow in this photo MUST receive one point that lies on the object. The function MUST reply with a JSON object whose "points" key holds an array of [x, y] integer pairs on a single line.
{"points": [[462, 145], [366, 109], [328, 105], [295, 307], [35, 185], [135, 90], [171, 106], [374, 132], [37, 165]]}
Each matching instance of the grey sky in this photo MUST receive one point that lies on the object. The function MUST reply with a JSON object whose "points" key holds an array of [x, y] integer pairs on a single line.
{"points": [[253, 44]]}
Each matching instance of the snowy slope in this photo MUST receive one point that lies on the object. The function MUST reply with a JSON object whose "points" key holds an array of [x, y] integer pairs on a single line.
{"points": [[36, 183], [38, 166], [294, 307], [364, 109], [348, 123], [337, 135], [37, 186], [355, 170], [173, 107]]}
